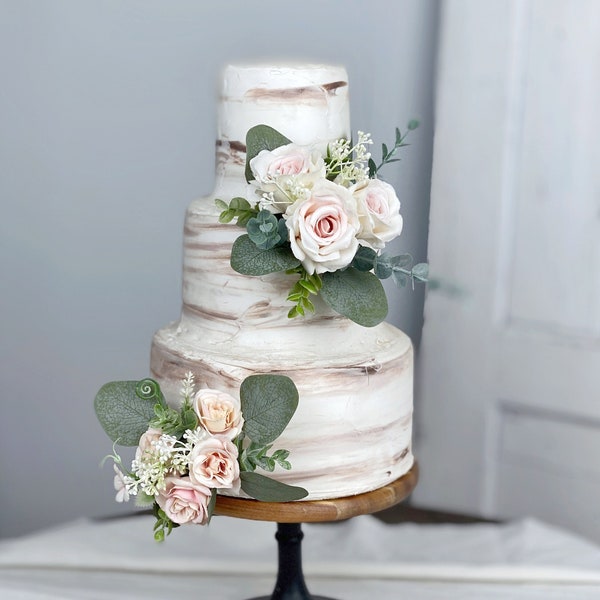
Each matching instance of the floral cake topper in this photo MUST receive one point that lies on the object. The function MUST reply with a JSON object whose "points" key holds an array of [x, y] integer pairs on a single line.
{"points": [[214, 442], [324, 218]]}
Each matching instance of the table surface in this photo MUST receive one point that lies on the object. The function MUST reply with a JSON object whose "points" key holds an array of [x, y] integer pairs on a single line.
{"points": [[361, 558]]}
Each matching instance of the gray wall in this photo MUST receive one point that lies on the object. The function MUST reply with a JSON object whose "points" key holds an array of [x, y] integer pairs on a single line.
{"points": [[107, 127]]}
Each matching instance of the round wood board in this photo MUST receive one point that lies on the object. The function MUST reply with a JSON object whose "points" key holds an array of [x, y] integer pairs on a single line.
{"points": [[312, 511]]}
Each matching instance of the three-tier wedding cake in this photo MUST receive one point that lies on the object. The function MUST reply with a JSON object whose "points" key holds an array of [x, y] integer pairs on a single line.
{"points": [[351, 432]]}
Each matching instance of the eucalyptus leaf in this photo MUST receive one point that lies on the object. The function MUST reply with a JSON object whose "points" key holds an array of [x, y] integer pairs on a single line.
{"points": [[400, 278], [383, 266], [356, 295], [402, 261], [284, 232], [247, 259], [421, 272], [268, 404], [364, 259], [123, 415], [259, 138], [266, 489], [263, 230]]}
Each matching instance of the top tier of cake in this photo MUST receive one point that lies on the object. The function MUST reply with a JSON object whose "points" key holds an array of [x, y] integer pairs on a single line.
{"points": [[307, 103]]}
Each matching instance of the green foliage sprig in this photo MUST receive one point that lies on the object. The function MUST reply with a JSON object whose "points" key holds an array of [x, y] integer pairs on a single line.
{"points": [[387, 155], [301, 291], [175, 422], [163, 525], [266, 230], [256, 456], [384, 265], [238, 209]]}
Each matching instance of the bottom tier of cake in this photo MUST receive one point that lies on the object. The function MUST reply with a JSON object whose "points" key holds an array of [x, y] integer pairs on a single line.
{"points": [[352, 430]]}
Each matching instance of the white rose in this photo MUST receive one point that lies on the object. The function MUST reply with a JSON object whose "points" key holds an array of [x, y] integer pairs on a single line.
{"points": [[323, 228], [286, 172], [378, 212]]}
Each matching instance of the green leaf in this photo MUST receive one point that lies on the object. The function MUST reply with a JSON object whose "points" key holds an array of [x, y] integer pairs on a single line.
{"points": [[364, 259], [421, 272], [284, 232], [383, 266], [143, 500], [372, 168], [244, 217], [309, 286], [266, 489], [239, 203], [306, 304], [123, 415], [384, 151], [259, 138], [247, 259], [356, 295], [226, 216], [211, 505], [400, 278], [268, 404], [221, 204], [412, 124], [402, 261]]}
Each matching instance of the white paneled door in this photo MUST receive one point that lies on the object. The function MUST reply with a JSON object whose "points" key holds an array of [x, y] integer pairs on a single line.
{"points": [[508, 385]]}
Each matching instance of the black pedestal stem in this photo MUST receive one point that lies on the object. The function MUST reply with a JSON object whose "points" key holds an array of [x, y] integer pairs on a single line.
{"points": [[290, 583]]}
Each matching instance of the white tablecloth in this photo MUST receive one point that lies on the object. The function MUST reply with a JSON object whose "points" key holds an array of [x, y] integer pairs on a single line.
{"points": [[362, 558]]}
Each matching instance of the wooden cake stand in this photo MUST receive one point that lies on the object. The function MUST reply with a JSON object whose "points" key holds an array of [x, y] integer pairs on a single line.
{"points": [[290, 584]]}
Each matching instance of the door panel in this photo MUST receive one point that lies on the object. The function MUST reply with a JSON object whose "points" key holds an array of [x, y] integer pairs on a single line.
{"points": [[508, 371]]}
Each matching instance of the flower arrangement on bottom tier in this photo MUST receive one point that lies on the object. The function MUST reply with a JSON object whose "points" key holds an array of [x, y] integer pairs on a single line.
{"points": [[212, 442]]}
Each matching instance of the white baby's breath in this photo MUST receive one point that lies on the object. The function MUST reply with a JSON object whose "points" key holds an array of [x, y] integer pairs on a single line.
{"points": [[350, 163], [195, 436]]}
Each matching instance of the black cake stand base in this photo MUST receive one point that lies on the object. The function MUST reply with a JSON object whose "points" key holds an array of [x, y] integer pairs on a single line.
{"points": [[290, 584]]}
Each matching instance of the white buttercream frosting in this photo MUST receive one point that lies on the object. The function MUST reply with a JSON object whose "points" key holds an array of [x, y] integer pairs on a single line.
{"points": [[352, 430]]}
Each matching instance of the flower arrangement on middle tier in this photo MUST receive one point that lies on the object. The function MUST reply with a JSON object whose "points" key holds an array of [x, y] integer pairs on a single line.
{"points": [[324, 218]]}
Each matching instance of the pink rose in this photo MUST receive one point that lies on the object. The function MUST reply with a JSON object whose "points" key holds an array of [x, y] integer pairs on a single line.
{"points": [[378, 212], [283, 170], [213, 463], [147, 441], [184, 501], [323, 228], [219, 412]]}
